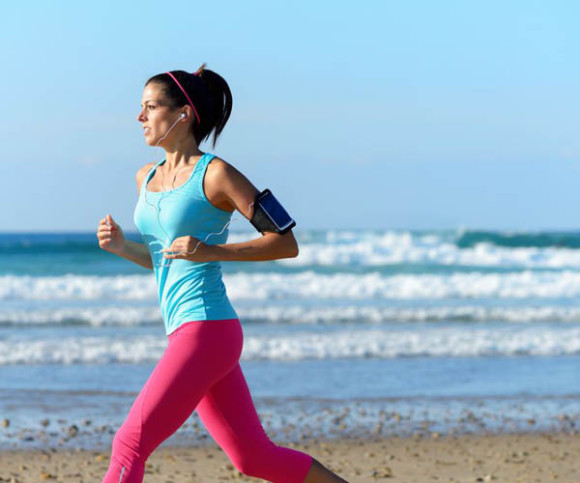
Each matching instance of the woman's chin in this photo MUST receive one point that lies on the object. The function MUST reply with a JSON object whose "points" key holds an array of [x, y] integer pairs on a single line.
{"points": [[152, 141]]}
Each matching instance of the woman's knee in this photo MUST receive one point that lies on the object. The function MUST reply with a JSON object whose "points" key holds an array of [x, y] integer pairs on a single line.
{"points": [[271, 462], [246, 466], [251, 462]]}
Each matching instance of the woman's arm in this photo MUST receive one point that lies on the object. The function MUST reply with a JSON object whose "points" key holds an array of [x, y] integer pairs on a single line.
{"points": [[137, 253], [112, 239], [229, 189], [272, 246]]}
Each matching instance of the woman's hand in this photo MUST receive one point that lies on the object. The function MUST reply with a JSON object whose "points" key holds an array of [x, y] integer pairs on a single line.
{"points": [[110, 235], [188, 248]]}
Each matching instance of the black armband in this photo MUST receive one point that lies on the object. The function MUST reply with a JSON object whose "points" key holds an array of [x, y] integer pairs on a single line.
{"points": [[270, 215]]}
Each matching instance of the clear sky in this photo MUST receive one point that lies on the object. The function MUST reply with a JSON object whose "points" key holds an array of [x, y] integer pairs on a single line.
{"points": [[372, 114]]}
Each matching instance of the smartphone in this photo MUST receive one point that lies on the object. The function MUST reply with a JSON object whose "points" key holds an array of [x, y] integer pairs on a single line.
{"points": [[275, 211]]}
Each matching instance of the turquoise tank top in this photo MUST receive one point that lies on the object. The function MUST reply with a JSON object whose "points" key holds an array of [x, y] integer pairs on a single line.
{"points": [[187, 290]]}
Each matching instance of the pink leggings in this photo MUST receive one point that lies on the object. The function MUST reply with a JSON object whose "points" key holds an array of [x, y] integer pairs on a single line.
{"points": [[200, 371]]}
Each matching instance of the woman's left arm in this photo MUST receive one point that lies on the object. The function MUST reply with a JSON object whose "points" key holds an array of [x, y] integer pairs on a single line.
{"points": [[226, 186], [271, 246]]}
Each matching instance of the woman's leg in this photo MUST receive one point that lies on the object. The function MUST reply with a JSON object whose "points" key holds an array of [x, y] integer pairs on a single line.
{"points": [[198, 355], [228, 413]]}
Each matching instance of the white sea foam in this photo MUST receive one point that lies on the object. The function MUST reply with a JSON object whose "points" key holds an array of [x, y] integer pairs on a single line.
{"points": [[383, 315], [307, 285], [127, 316], [392, 248], [458, 341], [430, 342], [395, 248], [77, 287], [94, 316]]}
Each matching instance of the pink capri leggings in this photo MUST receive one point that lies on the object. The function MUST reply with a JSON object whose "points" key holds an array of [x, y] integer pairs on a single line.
{"points": [[200, 371]]}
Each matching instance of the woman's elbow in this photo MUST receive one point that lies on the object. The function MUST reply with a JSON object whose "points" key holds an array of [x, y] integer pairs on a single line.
{"points": [[289, 247], [293, 249]]}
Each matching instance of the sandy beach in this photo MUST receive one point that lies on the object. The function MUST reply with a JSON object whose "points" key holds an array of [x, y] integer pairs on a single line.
{"points": [[522, 458]]}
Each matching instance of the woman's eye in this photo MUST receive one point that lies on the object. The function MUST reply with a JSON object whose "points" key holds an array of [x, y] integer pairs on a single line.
{"points": [[150, 107]]}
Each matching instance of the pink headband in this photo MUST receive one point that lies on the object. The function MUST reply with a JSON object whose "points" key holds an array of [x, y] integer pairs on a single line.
{"points": [[183, 90]]}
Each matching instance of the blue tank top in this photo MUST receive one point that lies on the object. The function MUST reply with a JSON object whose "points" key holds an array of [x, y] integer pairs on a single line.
{"points": [[187, 290]]}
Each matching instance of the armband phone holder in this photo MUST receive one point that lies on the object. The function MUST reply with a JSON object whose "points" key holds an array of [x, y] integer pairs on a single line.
{"points": [[270, 215]]}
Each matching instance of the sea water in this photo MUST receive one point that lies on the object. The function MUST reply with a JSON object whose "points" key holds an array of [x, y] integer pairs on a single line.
{"points": [[364, 333]]}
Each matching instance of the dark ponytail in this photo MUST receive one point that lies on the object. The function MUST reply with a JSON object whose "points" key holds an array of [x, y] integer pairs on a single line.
{"points": [[209, 93]]}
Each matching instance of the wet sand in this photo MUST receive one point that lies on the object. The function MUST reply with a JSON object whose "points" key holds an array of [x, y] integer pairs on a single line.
{"points": [[526, 458]]}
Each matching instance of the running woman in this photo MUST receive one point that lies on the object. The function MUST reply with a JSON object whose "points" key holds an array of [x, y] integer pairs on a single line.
{"points": [[192, 192]]}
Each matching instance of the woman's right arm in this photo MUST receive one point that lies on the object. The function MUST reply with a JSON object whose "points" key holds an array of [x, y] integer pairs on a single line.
{"points": [[137, 253], [112, 238]]}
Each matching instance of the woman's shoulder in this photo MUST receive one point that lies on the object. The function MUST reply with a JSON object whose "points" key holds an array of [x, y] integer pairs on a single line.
{"points": [[141, 173], [221, 174], [219, 169], [216, 163], [147, 167]]}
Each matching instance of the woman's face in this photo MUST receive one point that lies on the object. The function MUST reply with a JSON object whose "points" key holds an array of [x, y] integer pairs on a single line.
{"points": [[156, 115]]}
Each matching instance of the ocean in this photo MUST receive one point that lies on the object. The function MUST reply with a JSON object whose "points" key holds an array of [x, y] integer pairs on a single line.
{"points": [[365, 333]]}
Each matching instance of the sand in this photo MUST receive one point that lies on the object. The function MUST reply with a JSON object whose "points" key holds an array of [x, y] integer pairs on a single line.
{"points": [[467, 458]]}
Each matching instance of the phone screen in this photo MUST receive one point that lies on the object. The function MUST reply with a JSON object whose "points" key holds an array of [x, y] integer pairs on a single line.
{"points": [[276, 211]]}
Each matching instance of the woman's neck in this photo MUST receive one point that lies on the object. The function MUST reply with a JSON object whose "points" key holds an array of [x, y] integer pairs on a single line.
{"points": [[175, 160], [180, 154]]}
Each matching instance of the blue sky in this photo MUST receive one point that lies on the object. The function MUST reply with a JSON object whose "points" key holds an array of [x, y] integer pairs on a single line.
{"points": [[416, 114]]}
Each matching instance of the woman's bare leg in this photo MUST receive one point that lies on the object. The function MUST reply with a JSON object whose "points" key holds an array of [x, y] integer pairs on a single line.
{"points": [[320, 474]]}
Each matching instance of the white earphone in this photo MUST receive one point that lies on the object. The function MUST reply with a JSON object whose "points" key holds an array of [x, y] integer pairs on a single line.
{"points": [[183, 115]]}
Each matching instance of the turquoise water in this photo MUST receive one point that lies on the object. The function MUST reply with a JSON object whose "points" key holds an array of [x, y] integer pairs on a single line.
{"points": [[443, 326]]}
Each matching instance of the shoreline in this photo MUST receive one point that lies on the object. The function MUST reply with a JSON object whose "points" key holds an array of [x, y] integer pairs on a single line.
{"points": [[521, 457], [300, 422]]}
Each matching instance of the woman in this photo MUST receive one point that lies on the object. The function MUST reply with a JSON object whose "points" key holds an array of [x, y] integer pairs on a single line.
{"points": [[185, 200]]}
